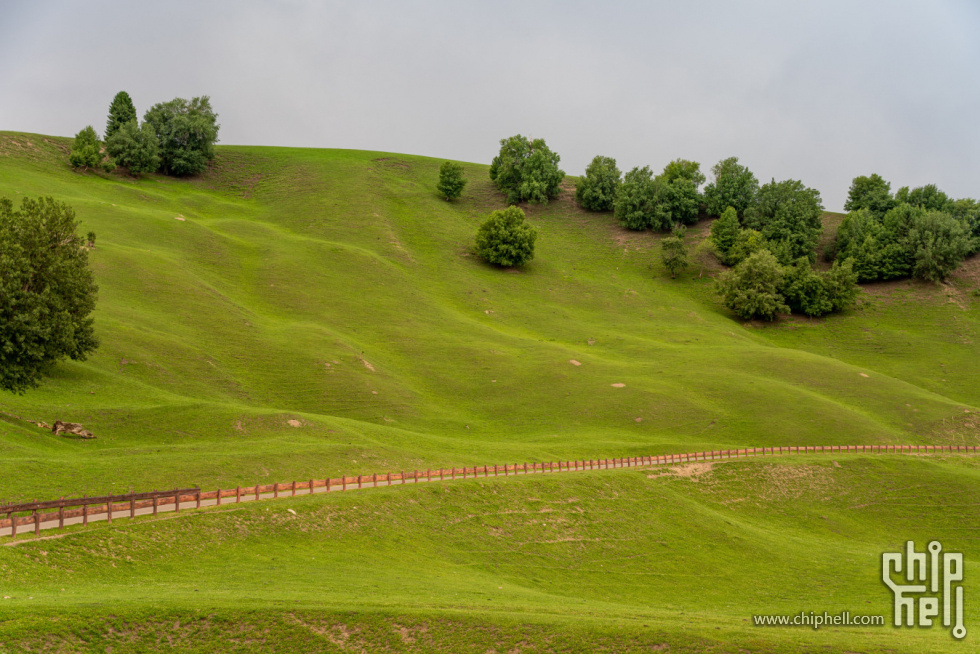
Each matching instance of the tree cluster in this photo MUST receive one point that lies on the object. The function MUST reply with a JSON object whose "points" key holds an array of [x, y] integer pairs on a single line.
{"points": [[662, 202], [761, 288], [175, 137], [920, 233]]}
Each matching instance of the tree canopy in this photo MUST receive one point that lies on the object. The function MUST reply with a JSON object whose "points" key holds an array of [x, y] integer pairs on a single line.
{"points": [[46, 291], [526, 170], [121, 111], [451, 180], [186, 132], [86, 151], [135, 147], [872, 193], [787, 214], [596, 191], [505, 239], [734, 186]]}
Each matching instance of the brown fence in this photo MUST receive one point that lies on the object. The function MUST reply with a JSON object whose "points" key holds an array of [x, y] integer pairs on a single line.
{"points": [[34, 514]]}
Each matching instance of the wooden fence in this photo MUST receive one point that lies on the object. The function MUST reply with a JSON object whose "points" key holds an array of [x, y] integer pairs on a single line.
{"points": [[34, 514]]}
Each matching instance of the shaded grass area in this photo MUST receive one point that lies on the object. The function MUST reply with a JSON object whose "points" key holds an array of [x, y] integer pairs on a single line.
{"points": [[611, 560], [337, 289]]}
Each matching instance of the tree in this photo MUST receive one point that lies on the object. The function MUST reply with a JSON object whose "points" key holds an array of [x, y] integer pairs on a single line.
{"points": [[596, 191], [804, 290], [681, 202], [841, 284], [86, 152], [451, 180], [938, 243], [734, 186], [967, 211], [929, 197], [526, 170], [872, 193], [505, 239], [46, 291], [683, 169], [747, 243], [752, 288], [186, 132], [860, 239], [724, 232], [121, 111], [788, 215], [135, 147], [635, 205], [673, 252]]}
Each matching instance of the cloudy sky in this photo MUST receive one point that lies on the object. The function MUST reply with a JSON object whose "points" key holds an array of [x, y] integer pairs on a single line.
{"points": [[817, 91]]}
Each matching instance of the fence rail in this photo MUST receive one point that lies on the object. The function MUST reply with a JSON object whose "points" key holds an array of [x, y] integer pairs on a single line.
{"points": [[36, 514]]}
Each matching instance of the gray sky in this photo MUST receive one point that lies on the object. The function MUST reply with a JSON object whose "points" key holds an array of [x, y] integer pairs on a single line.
{"points": [[817, 91]]}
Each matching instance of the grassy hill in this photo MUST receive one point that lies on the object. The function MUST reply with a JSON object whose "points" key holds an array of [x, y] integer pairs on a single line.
{"points": [[336, 290]]}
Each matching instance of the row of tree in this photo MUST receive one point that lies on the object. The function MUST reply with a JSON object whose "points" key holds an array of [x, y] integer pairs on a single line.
{"points": [[176, 138]]}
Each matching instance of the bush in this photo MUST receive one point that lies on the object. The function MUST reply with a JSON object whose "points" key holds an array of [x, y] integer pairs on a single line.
{"points": [[752, 288], [734, 186], [121, 112], [929, 197], [505, 239], [85, 150], [747, 243], [186, 132], [673, 253], [46, 291], [135, 147], [680, 201], [596, 191], [683, 169], [804, 290], [788, 215], [724, 233], [451, 180], [526, 170]]}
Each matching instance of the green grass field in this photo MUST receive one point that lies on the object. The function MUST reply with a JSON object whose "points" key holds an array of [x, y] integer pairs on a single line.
{"points": [[337, 290]]}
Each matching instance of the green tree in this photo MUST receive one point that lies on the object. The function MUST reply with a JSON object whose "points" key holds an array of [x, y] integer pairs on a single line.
{"points": [[788, 215], [929, 197], [135, 147], [683, 169], [86, 151], [734, 186], [596, 191], [747, 243], [752, 288], [860, 239], [46, 291], [121, 112], [636, 202], [872, 193], [673, 252], [680, 202], [451, 180], [186, 132], [967, 211], [724, 232], [526, 170], [841, 284], [505, 239], [938, 243]]}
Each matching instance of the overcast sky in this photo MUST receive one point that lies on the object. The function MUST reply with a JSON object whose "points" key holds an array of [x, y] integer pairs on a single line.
{"points": [[817, 91]]}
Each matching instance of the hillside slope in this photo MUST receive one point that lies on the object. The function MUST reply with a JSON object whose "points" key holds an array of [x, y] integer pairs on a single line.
{"points": [[335, 289]]}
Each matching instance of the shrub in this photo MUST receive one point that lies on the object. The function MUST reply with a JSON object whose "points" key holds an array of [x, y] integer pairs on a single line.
{"points": [[85, 149], [596, 191], [938, 244], [451, 180], [747, 243], [505, 239], [752, 288], [673, 252], [636, 206], [526, 170]]}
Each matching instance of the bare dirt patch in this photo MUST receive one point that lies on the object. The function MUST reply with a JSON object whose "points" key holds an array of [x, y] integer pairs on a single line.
{"points": [[574, 362]]}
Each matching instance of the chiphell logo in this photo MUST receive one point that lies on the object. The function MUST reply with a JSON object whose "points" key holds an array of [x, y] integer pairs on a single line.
{"points": [[941, 577]]}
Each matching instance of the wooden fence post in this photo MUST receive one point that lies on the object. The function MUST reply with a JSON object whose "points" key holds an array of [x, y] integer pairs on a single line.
{"points": [[84, 511], [37, 522], [108, 510], [132, 504], [275, 490], [198, 497], [61, 515], [311, 487], [177, 498], [294, 489], [238, 494], [156, 500]]}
